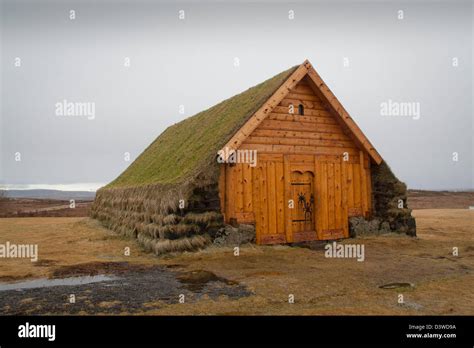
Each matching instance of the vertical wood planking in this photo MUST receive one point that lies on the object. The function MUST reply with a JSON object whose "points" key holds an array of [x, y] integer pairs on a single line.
{"points": [[247, 183], [257, 205], [350, 184], [317, 195], [363, 185], [287, 174], [369, 187], [272, 200], [239, 204], [337, 195], [266, 189], [264, 198], [356, 185], [280, 189], [331, 197], [324, 196], [344, 202]]}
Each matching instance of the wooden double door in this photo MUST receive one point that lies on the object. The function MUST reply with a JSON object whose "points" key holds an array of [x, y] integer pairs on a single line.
{"points": [[284, 196], [296, 201], [301, 207]]}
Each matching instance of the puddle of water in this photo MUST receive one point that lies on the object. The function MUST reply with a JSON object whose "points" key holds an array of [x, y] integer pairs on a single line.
{"points": [[45, 283]]}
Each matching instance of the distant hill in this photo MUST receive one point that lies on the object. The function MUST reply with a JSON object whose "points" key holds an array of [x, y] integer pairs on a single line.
{"points": [[50, 194], [421, 199]]}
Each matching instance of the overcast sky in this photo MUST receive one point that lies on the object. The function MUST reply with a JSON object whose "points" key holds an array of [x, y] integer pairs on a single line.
{"points": [[424, 58]]}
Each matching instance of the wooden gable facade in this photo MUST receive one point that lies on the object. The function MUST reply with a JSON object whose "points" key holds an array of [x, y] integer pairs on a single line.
{"points": [[313, 167]]}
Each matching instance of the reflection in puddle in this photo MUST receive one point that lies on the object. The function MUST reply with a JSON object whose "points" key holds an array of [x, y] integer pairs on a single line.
{"points": [[45, 283]]}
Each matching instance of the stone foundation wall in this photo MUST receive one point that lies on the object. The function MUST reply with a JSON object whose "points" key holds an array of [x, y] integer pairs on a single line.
{"points": [[390, 209]]}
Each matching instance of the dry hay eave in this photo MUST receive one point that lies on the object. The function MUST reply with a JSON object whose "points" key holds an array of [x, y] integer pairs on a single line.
{"points": [[152, 214]]}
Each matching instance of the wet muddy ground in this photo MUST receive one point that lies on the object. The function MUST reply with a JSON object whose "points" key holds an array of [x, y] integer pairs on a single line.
{"points": [[124, 289]]}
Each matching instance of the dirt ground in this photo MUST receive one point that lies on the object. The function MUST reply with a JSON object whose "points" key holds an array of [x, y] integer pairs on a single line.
{"points": [[261, 280]]}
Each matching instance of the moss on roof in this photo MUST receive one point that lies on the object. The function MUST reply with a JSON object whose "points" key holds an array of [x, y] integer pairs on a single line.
{"points": [[188, 146]]}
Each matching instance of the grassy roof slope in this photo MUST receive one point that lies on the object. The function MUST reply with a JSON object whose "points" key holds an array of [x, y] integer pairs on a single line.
{"points": [[185, 147]]}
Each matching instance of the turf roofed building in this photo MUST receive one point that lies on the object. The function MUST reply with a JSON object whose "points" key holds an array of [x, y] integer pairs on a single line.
{"points": [[283, 156]]}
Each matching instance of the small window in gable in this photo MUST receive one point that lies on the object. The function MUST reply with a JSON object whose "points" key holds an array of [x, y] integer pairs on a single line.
{"points": [[301, 109]]}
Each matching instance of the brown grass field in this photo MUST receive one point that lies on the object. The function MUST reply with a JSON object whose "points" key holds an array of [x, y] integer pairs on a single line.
{"points": [[29, 207], [442, 282]]}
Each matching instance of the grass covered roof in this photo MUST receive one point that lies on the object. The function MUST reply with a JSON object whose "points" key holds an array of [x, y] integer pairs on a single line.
{"points": [[187, 147]]}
